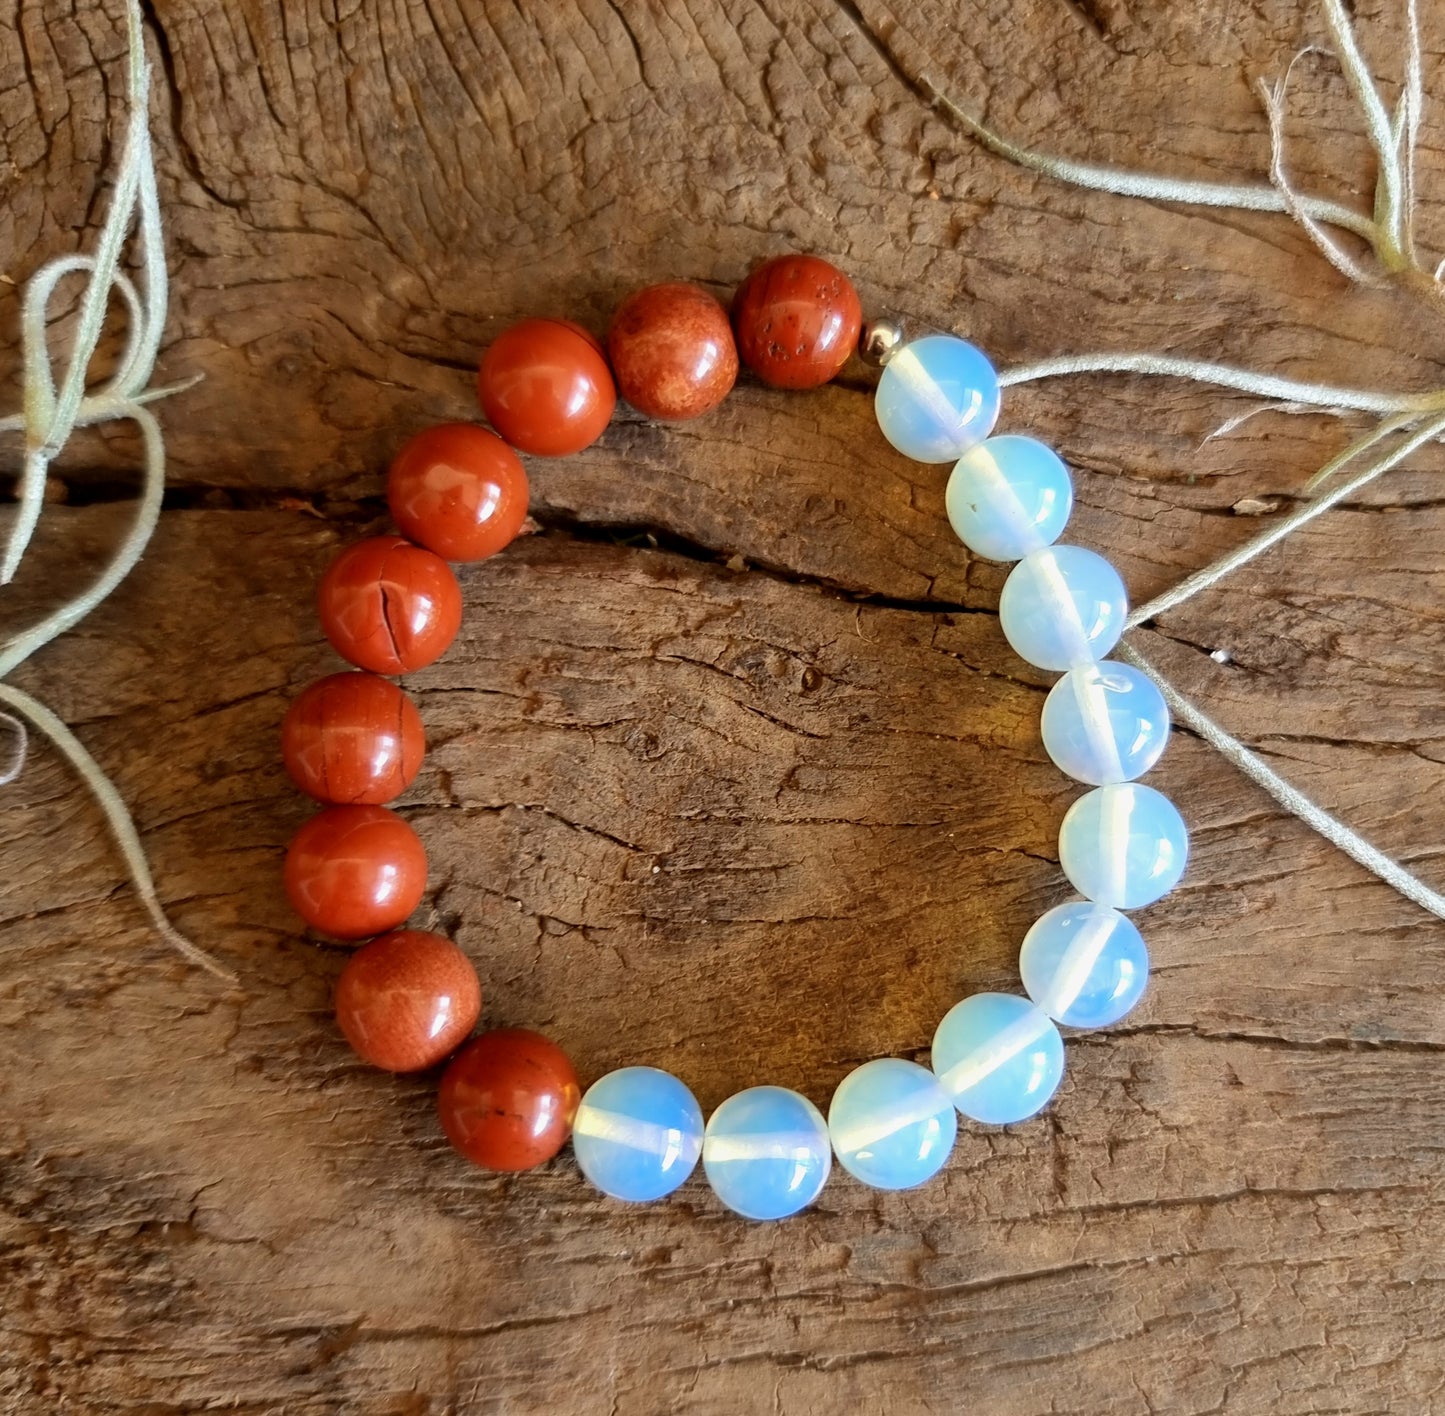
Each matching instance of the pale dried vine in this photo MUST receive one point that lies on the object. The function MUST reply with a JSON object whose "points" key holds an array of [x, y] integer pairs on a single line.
{"points": [[1413, 419], [50, 414]]}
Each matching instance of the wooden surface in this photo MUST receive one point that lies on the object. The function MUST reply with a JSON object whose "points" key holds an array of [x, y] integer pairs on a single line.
{"points": [[730, 769]]}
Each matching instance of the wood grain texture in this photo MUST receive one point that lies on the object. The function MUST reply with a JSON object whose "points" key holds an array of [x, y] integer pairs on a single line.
{"points": [[730, 770]]}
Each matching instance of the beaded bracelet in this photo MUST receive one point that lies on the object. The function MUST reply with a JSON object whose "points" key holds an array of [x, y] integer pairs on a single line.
{"points": [[510, 1098]]}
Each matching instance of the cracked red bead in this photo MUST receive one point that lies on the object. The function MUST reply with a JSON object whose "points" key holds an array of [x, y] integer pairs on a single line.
{"points": [[389, 606]]}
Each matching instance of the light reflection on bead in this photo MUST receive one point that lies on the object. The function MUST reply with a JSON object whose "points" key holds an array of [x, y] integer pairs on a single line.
{"points": [[937, 397], [892, 1124], [1084, 964], [637, 1134], [1105, 723], [1062, 606], [878, 341], [766, 1152], [1123, 845], [1008, 496], [999, 1057]]}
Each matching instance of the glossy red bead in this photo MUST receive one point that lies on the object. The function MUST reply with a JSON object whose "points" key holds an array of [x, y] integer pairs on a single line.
{"points": [[389, 606], [458, 490], [672, 351], [797, 320], [407, 1000], [355, 870], [352, 738], [508, 1099], [545, 387]]}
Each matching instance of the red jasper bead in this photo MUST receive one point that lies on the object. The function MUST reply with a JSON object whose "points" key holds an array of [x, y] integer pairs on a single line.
{"points": [[672, 351], [404, 1001], [546, 388], [508, 1100], [355, 870], [389, 606], [352, 738], [797, 320], [458, 490]]}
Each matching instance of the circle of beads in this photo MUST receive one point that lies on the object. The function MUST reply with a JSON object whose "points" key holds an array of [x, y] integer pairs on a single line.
{"points": [[509, 1099]]}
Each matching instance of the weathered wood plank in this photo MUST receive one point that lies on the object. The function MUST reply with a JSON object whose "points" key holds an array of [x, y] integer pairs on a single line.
{"points": [[751, 824]]}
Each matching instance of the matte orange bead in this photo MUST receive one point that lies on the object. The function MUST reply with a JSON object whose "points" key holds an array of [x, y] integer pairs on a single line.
{"points": [[389, 606], [352, 738], [672, 351], [797, 320], [545, 387], [508, 1100], [406, 1000], [355, 870]]}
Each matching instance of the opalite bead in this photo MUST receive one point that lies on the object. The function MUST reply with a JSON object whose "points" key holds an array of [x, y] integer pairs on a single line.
{"points": [[672, 351], [892, 1124], [998, 1056], [1105, 723], [404, 1001], [1008, 496], [766, 1152], [458, 490], [355, 870], [545, 387], [937, 397], [1123, 845], [638, 1134], [352, 738], [797, 320], [1084, 964], [1061, 606], [507, 1100]]}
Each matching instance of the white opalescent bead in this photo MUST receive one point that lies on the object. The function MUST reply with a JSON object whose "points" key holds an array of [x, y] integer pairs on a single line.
{"points": [[1105, 723], [937, 397], [766, 1152], [998, 1056], [1062, 606], [637, 1134], [892, 1124], [1008, 496], [1123, 845], [1084, 964]]}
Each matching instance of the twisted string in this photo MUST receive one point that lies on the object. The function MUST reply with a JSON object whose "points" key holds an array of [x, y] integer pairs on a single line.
{"points": [[1290, 797], [1408, 409]]}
